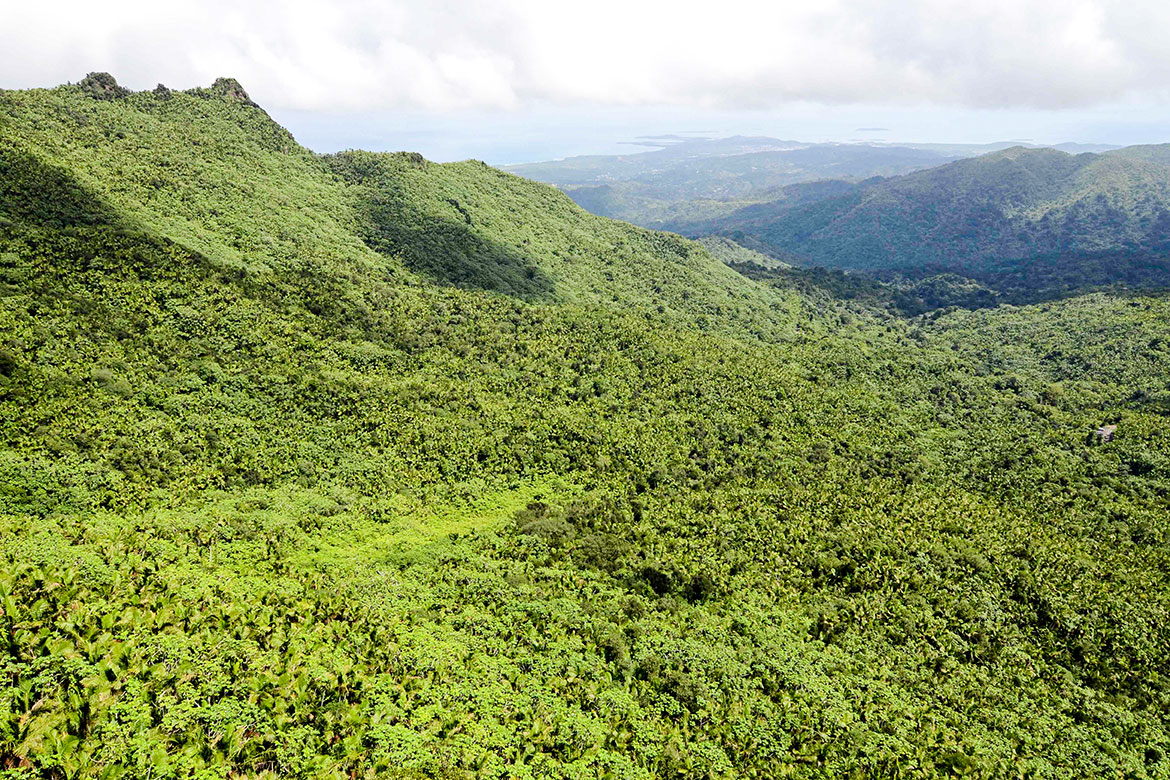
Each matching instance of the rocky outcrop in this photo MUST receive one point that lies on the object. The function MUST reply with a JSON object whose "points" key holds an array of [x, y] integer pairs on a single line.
{"points": [[232, 90], [102, 86]]}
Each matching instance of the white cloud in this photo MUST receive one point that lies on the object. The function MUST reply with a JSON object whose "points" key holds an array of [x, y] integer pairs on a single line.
{"points": [[448, 54]]}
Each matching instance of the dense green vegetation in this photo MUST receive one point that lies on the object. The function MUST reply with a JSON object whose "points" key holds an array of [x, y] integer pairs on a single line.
{"points": [[727, 251], [362, 466]]}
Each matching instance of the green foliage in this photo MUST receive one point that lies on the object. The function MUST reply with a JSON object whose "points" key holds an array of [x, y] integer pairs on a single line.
{"points": [[303, 474], [474, 227], [737, 256]]}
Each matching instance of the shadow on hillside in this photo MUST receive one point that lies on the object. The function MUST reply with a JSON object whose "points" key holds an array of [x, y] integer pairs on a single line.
{"points": [[449, 252], [443, 244], [35, 192], [81, 238], [75, 230]]}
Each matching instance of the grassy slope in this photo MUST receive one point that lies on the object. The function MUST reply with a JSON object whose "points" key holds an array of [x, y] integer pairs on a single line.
{"points": [[286, 491]]}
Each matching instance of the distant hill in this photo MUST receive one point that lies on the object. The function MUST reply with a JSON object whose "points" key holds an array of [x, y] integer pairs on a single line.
{"points": [[700, 179], [695, 179], [783, 201], [593, 169], [986, 215]]}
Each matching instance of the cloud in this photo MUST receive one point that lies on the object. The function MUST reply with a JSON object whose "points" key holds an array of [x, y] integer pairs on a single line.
{"points": [[438, 55]]}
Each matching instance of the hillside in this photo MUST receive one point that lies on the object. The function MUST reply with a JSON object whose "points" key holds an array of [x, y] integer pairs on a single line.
{"points": [[733, 254], [364, 466], [992, 215], [502, 233]]}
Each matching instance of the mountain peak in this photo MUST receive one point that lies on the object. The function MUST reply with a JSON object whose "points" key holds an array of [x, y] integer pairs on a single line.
{"points": [[231, 89], [1016, 152], [102, 86]]}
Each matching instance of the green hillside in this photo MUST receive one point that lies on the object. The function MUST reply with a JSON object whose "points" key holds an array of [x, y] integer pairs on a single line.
{"points": [[984, 217], [363, 466], [733, 254], [475, 227]]}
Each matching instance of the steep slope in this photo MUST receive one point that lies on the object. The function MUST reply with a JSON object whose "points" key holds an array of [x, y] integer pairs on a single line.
{"points": [[980, 215], [303, 475]]}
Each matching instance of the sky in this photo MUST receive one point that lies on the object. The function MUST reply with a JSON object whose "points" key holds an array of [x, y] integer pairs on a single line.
{"points": [[518, 80]]}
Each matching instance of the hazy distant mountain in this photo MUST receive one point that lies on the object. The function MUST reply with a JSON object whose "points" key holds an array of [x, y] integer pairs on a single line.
{"points": [[972, 215], [724, 249], [597, 169], [972, 150], [697, 179]]}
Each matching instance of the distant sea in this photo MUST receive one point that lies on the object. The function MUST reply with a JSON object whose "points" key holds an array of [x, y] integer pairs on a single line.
{"points": [[554, 132]]}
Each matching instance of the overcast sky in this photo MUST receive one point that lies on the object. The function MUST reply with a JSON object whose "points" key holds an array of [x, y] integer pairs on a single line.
{"points": [[443, 74]]}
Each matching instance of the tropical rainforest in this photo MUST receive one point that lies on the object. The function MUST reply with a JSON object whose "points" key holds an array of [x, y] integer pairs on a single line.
{"points": [[359, 465]]}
